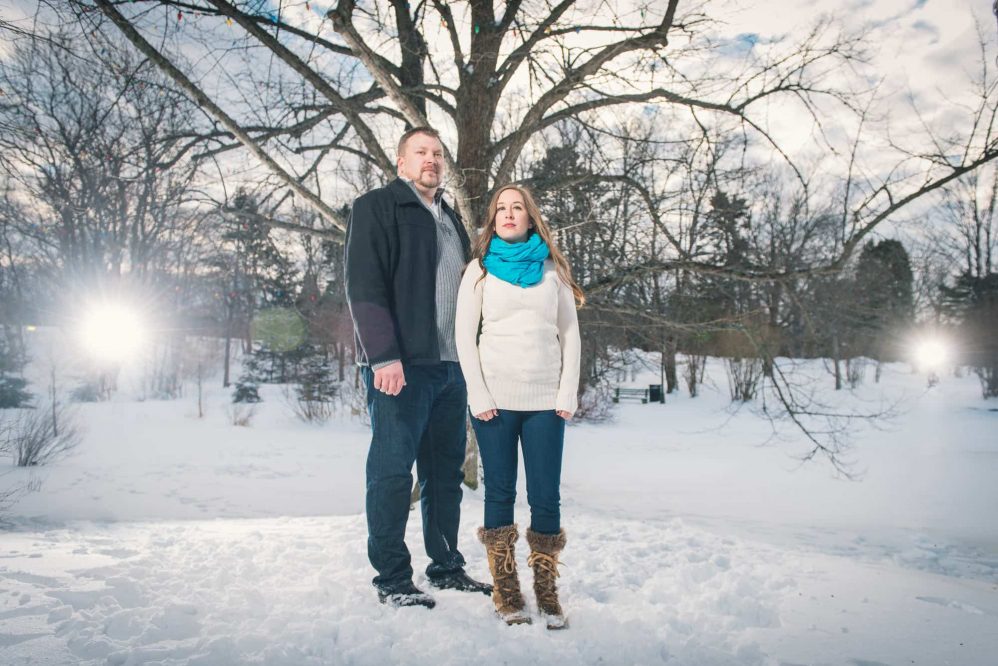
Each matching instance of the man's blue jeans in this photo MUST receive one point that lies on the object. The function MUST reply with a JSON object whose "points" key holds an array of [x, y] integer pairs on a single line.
{"points": [[425, 425], [542, 435]]}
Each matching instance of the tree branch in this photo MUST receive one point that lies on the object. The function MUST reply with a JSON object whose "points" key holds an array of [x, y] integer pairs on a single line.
{"points": [[342, 18], [206, 103], [349, 111], [655, 38]]}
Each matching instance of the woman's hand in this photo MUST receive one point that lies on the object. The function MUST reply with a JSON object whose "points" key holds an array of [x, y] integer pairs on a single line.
{"points": [[563, 414], [487, 415]]}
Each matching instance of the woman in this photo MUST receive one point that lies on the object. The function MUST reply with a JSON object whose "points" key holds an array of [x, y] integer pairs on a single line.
{"points": [[518, 342]]}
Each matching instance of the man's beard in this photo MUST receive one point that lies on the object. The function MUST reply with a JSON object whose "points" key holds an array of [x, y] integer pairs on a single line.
{"points": [[429, 178]]}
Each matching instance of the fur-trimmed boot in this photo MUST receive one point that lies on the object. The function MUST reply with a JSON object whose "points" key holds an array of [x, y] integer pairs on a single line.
{"points": [[500, 543], [544, 551]]}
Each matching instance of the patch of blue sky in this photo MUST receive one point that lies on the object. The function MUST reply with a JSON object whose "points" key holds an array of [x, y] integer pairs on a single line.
{"points": [[738, 45], [265, 8], [903, 13]]}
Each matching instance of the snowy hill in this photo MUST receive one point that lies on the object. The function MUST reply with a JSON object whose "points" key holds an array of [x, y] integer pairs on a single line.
{"points": [[694, 537]]}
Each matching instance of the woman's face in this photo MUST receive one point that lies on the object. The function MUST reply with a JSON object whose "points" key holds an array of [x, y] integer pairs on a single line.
{"points": [[512, 222]]}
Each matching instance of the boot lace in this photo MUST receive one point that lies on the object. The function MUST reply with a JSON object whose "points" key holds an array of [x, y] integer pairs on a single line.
{"points": [[502, 552], [545, 571], [505, 569]]}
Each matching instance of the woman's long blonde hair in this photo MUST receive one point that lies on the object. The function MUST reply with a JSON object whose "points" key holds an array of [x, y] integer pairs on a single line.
{"points": [[540, 226]]}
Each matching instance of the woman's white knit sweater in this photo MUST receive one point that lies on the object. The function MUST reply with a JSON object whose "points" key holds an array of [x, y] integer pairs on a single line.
{"points": [[527, 358]]}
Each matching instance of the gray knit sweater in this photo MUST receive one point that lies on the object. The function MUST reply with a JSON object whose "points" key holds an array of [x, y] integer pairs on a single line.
{"points": [[450, 266]]}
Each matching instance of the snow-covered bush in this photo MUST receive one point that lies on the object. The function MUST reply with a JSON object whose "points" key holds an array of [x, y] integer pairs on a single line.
{"points": [[85, 392], [353, 396], [247, 391], [316, 389], [38, 436], [248, 385], [596, 402], [693, 373], [161, 379], [855, 371], [744, 375], [310, 404], [241, 414], [97, 386]]}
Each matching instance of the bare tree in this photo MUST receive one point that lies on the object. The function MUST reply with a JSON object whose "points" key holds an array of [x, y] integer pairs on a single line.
{"points": [[970, 235], [98, 189], [339, 88]]}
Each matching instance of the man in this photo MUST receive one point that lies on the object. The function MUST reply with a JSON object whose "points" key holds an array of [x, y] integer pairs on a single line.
{"points": [[405, 252]]}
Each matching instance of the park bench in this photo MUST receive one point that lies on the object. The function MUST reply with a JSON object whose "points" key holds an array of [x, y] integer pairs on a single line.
{"points": [[630, 394]]}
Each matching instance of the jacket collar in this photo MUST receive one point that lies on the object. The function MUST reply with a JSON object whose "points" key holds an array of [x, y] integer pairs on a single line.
{"points": [[406, 195]]}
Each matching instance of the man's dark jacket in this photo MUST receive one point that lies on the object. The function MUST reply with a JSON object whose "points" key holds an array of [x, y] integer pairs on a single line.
{"points": [[391, 275]]}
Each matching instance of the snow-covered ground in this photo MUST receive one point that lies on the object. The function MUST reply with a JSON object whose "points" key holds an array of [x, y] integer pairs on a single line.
{"points": [[693, 538]]}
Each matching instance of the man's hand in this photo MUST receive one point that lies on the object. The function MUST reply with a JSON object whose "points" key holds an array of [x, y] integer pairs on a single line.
{"points": [[563, 414], [390, 379], [487, 415]]}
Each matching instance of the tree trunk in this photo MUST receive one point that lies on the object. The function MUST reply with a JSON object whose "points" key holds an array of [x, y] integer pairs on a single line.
{"points": [[228, 352], [838, 370], [669, 364], [228, 345], [55, 411], [200, 391]]}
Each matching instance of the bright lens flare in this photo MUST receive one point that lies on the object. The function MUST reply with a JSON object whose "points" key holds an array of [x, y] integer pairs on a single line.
{"points": [[931, 354], [112, 333]]}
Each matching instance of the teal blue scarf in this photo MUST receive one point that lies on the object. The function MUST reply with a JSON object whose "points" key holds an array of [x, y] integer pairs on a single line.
{"points": [[519, 263]]}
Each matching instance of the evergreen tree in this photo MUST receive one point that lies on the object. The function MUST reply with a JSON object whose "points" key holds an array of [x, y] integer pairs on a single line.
{"points": [[569, 196], [590, 250], [248, 386], [885, 303], [316, 387], [973, 301], [252, 272], [256, 274], [13, 391], [726, 227]]}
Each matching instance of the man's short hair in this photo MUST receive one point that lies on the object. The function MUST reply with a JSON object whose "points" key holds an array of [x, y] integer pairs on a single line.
{"points": [[429, 131]]}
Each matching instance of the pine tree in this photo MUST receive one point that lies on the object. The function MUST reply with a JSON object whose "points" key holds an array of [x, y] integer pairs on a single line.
{"points": [[316, 388], [253, 273], [248, 386], [13, 391], [885, 303], [568, 196], [973, 302]]}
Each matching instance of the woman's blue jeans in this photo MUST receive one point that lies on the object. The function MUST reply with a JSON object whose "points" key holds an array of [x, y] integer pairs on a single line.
{"points": [[542, 436]]}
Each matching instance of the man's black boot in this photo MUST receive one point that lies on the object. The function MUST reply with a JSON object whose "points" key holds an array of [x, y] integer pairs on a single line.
{"points": [[458, 580], [404, 595]]}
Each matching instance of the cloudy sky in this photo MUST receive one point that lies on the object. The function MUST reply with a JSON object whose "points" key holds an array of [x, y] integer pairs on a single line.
{"points": [[926, 46], [925, 50]]}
